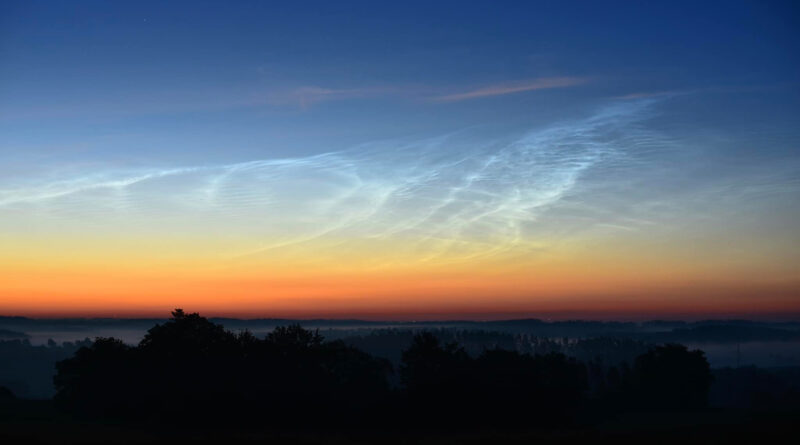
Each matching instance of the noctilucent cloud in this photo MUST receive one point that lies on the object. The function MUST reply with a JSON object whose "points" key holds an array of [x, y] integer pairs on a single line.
{"points": [[400, 161]]}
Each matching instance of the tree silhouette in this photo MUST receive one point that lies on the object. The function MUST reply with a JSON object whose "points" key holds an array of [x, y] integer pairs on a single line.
{"points": [[672, 377], [428, 367], [97, 380], [187, 335]]}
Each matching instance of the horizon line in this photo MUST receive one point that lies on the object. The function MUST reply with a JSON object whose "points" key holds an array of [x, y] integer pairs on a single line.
{"points": [[761, 318]]}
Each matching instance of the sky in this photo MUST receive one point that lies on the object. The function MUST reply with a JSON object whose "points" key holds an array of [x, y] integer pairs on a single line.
{"points": [[400, 160]]}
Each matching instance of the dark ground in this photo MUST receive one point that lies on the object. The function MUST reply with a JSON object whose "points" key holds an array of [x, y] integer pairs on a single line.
{"points": [[37, 422]]}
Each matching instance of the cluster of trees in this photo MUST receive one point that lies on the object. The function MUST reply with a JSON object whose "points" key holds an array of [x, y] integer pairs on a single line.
{"points": [[665, 377], [443, 383], [192, 368]]}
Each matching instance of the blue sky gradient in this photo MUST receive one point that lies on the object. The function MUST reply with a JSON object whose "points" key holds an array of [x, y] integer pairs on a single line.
{"points": [[474, 129]]}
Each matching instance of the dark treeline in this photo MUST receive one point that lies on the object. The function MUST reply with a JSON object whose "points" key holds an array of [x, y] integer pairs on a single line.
{"points": [[28, 369], [191, 368], [389, 344]]}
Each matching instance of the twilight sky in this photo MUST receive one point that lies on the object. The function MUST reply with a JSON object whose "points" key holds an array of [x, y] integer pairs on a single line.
{"points": [[400, 161]]}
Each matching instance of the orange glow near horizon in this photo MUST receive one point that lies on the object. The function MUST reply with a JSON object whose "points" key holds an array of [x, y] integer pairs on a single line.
{"points": [[384, 281]]}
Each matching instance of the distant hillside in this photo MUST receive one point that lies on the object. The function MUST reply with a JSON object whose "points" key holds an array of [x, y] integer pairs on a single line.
{"points": [[9, 334]]}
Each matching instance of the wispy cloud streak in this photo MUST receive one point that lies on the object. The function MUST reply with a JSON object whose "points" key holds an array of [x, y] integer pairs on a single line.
{"points": [[300, 96], [512, 88]]}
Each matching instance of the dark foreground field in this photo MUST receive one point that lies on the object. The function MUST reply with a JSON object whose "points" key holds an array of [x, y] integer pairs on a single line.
{"points": [[38, 422]]}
